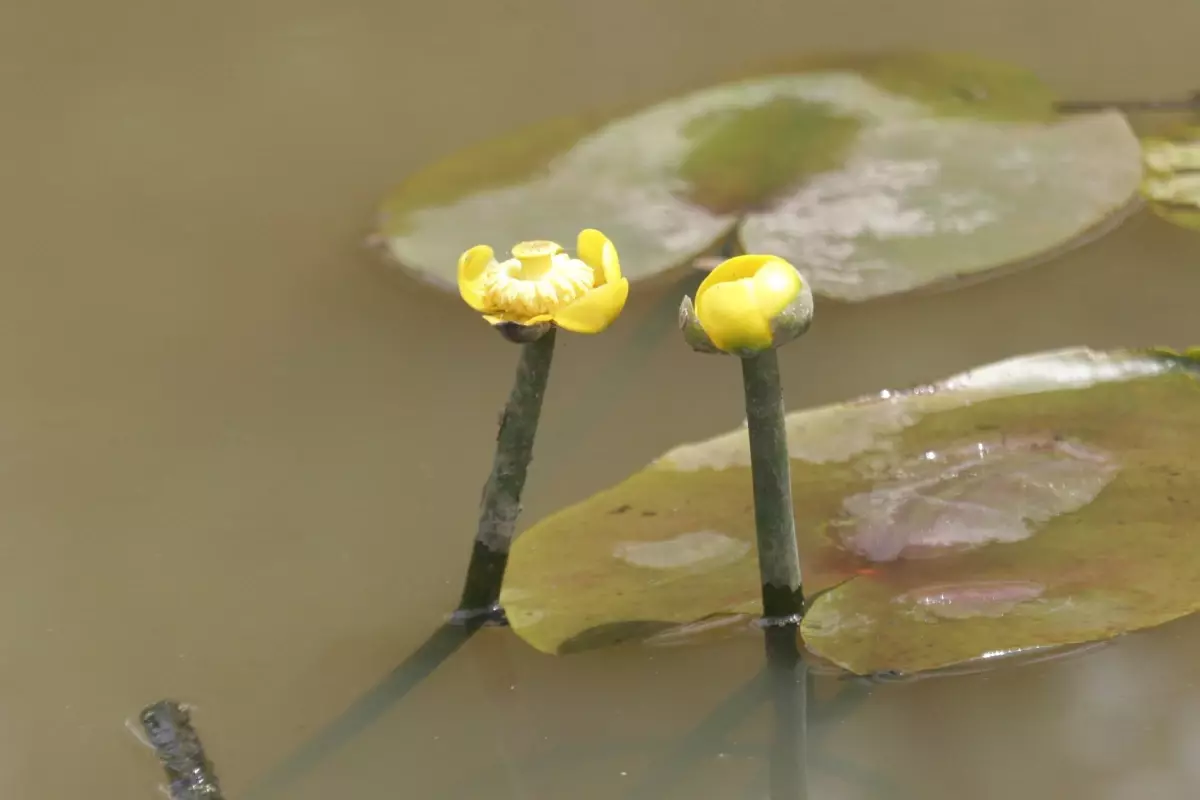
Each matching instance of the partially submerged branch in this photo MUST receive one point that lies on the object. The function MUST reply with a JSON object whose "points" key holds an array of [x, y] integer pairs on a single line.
{"points": [[190, 775]]}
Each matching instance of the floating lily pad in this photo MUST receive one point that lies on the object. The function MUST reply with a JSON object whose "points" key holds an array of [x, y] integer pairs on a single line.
{"points": [[922, 201], [1172, 179], [550, 181], [874, 174], [1044, 500]]}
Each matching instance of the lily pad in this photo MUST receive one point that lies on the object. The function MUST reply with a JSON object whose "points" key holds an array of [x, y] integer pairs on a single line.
{"points": [[925, 200], [1041, 501], [1172, 179], [874, 174]]}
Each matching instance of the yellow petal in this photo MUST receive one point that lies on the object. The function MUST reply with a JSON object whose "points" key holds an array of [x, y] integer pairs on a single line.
{"points": [[732, 269], [731, 317], [595, 250], [596, 310], [776, 284], [471, 266]]}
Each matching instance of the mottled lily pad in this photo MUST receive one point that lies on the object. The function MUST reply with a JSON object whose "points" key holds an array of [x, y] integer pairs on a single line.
{"points": [[1172, 179], [874, 174], [919, 201], [1044, 500]]}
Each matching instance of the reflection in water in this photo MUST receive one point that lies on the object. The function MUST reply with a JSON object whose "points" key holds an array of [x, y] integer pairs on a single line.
{"points": [[972, 494], [368, 708], [788, 676]]}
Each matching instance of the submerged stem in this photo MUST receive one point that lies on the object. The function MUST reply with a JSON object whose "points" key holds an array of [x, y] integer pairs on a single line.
{"points": [[788, 675], [502, 495], [189, 773], [774, 519]]}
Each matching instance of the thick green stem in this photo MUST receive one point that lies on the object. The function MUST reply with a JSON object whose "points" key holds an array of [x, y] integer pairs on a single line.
{"points": [[502, 495], [774, 519]]}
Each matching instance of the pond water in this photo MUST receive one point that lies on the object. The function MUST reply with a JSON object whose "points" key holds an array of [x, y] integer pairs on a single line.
{"points": [[241, 459]]}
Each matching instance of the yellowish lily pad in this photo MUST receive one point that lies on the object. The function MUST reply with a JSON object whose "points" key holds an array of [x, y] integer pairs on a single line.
{"points": [[1172, 178], [1043, 500], [875, 174]]}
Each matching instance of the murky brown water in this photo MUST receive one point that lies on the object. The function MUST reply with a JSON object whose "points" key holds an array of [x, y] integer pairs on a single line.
{"points": [[241, 461]]}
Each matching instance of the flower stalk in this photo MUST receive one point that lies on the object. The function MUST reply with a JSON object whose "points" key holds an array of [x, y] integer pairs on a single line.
{"points": [[526, 299], [501, 504], [749, 306], [774, 518]]}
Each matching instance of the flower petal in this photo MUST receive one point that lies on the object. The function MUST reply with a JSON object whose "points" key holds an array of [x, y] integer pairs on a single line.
{"points": [[731, 318], [471, 266], [732, 269], [596, 310], [776, 285], [595, 250]]}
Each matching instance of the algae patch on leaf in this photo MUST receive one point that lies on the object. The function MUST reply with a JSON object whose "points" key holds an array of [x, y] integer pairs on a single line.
{"points": [[743, 159], [1040, 501]]}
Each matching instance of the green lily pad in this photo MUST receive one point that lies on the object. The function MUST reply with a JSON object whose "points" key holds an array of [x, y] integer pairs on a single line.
{"points": [[1172, 179], [1043, 500], [874, 174]]}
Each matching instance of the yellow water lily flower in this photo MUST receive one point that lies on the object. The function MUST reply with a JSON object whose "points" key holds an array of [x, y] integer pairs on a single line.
{"points": [[541, 285], [746, 305]]}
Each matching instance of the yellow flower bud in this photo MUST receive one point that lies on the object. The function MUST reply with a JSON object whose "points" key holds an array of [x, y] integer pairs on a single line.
{"points": [[746, 305], [541, 285]]}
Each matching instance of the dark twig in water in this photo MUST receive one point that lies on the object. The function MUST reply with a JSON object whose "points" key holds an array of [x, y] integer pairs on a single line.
{"points": [[502, 495], [190, 774], [1081, 106]]}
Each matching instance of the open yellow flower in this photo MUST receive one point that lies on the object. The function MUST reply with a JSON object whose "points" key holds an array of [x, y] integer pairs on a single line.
{"points": [[746, 305], [541, 285]]}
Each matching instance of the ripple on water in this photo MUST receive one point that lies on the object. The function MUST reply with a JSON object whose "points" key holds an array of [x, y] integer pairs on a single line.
{"points": [[970, 495]]}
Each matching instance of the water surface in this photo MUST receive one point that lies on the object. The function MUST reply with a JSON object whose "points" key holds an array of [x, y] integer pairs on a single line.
{"points": [[241, 461]]}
